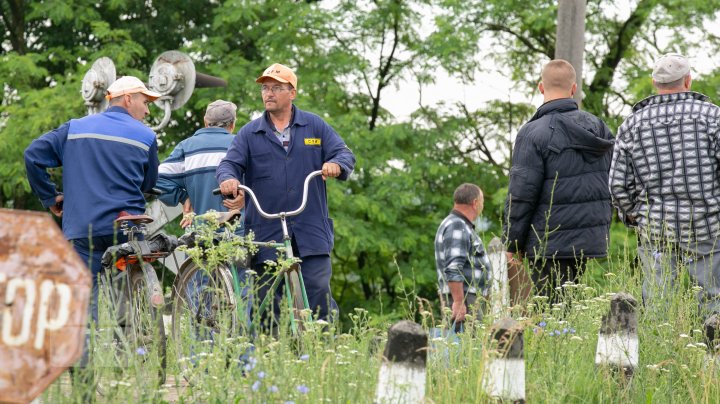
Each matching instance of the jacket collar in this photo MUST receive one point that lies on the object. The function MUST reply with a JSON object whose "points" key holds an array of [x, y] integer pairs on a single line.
{"points": [[666, 98], [299, 118], [559, 105], [461, 216], [212, 131], [116, 108]]}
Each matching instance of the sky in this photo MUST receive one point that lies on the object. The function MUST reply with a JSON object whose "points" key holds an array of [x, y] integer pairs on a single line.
{"points": [[401, 100]]}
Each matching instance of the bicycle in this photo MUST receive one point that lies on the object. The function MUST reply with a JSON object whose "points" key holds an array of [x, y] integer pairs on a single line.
{"points": [[134, 290], [206, 304]]}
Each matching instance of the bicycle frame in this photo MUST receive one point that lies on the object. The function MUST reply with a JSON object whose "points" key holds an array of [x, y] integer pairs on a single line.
{"points": [[144, 255], [286, 245]]}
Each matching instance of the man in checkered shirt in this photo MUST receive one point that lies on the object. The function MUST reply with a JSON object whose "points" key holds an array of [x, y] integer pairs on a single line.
{"points": [[664, 179], [462, 265]]}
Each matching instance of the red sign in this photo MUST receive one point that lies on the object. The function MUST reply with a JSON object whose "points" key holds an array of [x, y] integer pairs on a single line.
{"points": [[44, 294]]}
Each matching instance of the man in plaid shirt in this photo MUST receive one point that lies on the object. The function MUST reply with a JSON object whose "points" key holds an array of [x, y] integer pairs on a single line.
{"points": [[462, 265], [664, 179]]}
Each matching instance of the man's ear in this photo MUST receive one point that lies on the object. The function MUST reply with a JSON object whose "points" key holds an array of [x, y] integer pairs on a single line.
{"points": [[573, 90], [541, 87], [687, 82]]}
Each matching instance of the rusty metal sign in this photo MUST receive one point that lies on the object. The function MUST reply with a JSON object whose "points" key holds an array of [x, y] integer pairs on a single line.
{"points": [[44, 294]]}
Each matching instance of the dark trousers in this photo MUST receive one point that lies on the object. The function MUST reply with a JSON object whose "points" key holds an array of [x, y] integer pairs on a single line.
{"points": [[91, 251], [549, 273], [316, 272]]}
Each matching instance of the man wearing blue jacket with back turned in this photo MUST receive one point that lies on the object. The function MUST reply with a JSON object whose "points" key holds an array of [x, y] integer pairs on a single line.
{"points": [[108, 161], [274, 154]]}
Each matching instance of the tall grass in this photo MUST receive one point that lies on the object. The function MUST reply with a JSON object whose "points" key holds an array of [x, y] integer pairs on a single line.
{"points": [[328, 365]]}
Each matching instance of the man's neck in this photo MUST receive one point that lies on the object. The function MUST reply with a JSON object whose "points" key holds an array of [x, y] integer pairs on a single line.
{"points": [[281, 119], [672, 90], [554, 96], [466, 211]]}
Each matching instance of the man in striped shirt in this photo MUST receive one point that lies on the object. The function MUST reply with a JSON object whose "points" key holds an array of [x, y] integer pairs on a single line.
{"points": [[188, 174], [664, 179], [462, 265]]}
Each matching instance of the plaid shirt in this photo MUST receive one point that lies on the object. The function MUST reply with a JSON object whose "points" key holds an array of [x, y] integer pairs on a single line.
{"points": [[460, 255], [664, 172]]}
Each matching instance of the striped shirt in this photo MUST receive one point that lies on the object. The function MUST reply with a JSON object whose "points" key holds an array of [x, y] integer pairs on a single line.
{"points": [[664, 172]]}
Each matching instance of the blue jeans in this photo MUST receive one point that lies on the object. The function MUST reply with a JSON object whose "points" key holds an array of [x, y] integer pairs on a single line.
{"points": [[91, 251]]}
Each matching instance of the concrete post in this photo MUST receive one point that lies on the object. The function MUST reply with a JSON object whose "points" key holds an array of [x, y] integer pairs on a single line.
{"points": [[504, 377], [402, 374], [618, 345], [570, 38]]}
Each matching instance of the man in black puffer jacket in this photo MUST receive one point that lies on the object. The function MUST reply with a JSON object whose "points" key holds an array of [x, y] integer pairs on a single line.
{"points": [[558, 209]]}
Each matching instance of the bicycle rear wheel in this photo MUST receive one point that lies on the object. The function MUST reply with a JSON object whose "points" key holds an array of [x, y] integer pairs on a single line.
{"points": [[204, 310], [145, 329]]}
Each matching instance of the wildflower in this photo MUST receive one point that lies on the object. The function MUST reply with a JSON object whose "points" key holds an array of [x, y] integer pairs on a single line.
{"points": [[684, 336], [289, 402], [273, 389], [303, 389], [542, 324], [256, 386], [322, 322], [304, 357], [250, 272], [250, 365], [261, 375], [141, 351]]}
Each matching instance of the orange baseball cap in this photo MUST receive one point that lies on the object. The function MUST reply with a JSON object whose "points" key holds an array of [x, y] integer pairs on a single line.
{"points": [[129, 85], [280, 73]]}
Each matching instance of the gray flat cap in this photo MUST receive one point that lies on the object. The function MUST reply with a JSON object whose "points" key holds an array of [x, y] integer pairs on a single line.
{"points": [[670, 67], [220, 113]]}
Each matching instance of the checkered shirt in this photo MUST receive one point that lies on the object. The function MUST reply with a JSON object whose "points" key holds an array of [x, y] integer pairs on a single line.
{"points": [[460, 256], [664, 172]]}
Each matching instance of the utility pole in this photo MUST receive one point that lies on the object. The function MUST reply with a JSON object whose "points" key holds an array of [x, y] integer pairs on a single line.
{"points": [[570, 38]]}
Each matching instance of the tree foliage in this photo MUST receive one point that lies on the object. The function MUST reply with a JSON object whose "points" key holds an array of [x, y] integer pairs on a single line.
{"points": [[348, 56]]}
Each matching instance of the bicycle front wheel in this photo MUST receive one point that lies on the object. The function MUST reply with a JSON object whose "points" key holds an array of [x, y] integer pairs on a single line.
{"points": [[297, 302], [145, 329], [204, 310]]}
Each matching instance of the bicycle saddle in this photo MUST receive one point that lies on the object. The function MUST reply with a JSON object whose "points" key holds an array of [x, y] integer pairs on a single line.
{"points": [[135, 219]]}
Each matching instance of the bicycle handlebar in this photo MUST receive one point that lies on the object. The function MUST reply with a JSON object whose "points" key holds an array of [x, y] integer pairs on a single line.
{"points": [[278, 215]]}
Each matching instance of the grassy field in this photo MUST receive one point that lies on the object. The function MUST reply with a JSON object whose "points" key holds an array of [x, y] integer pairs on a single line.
{"points": [[342, 367]]}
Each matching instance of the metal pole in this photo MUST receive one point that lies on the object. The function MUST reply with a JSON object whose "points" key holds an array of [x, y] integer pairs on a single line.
{"points": [[570, 42]]}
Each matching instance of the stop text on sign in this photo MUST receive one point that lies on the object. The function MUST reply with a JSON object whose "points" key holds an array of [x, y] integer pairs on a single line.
{"points": [[35, 298]]}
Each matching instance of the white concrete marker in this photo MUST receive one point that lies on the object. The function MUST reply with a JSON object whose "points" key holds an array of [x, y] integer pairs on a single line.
{"points": [[504, 377], [499, 287], [618, 344], [402, 374]]}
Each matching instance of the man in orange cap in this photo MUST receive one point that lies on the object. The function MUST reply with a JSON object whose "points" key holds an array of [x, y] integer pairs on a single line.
{"points": [[272, 155], [108, 159]]}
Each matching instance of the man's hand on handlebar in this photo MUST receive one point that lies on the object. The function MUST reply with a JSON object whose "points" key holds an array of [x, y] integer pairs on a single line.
{"points": [[237, 203], [330, 170], [230, 187], [57, 209]]}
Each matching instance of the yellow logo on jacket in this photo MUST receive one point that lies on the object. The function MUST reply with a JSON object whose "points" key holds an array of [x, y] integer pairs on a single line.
{"points": [[312, 141]]}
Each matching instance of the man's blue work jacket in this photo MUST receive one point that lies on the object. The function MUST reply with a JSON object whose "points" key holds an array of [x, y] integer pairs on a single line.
{"points": [[189, 171], [108, 161], [276, 177]]}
